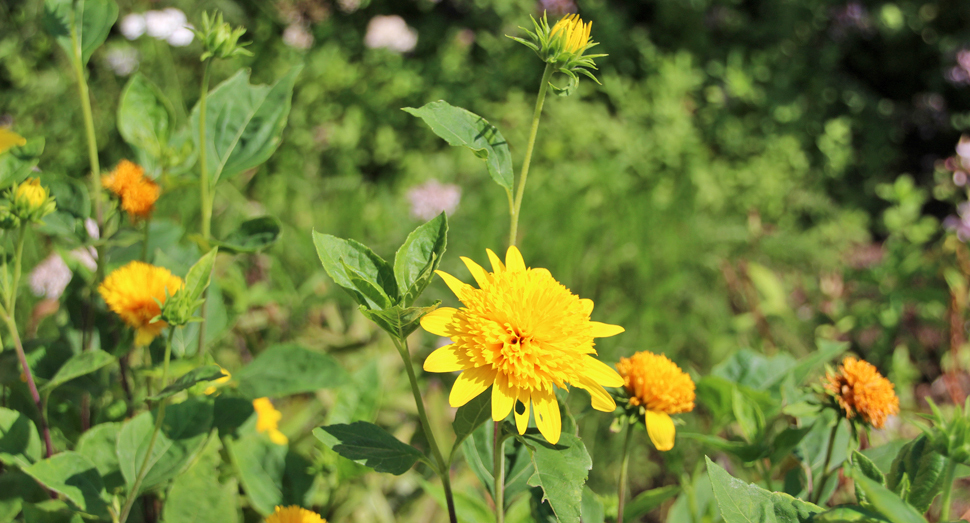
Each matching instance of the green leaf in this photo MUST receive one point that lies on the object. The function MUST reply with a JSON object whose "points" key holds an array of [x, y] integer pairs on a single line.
{"points": [[17, 163], [398, 321], [252, 236], [756, 371], [786, 441], [647, 501], [369, 445], [243, 122], [17, 488], [469, 509], [849, 514], [827, 351], [742, 502], [95, 16], [51, 511], [592, 507], [19, 443], [335, 252], [884, 501], [260, 466], [458, 126], [198, 495], [199, 276], [190, 378], [79, 365], [144, 120], [74, 476], [478, 451], [70, 194], [184, 432], [371, 290], [282, 370], [749, 416], [99, 444], [870, 470], [746, 452], [470, 416], [561, 471], [419, 256], [924, 470]]}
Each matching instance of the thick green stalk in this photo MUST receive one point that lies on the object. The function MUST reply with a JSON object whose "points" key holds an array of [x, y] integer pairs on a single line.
{"points": [[143, 470], [498, 473], [621, 489], [524, 175], [948, 477], [204, 195], [443, 469], [17, 261], [82, 87]]}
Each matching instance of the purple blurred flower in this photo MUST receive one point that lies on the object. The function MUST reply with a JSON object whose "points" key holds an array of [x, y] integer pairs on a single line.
{"points": [[558, 7], [431, 198]]}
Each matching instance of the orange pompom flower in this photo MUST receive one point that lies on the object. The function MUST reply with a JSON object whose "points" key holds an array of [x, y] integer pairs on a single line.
{"points": [[138, 194], [131, 291], [522, 333], [661, 388], [268, 419], [294, 514], [858, 388]]}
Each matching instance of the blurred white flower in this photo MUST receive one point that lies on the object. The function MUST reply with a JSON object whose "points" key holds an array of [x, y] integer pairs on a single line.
{"points": [[50, 277], [162, 24], [132, 26], [431, 198], [182, 36], [348, 6], [122, 60], [92, 227], [297, 37], [87, 257], [391, 32]]}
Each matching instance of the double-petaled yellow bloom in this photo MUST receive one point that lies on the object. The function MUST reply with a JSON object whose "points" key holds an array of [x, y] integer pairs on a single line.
{"points": [[138, 194], [268, 419], [294, 514], [131, 292], [859, 389], [661, 388], [522, 333]]}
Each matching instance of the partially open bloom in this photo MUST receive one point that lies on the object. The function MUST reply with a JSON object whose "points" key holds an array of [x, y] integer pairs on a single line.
{"points": [[858, 388], [267, 420], [563, 45], [31, 201], [138, 194], [294, 514], [661, 388], [571, 33], [131, 291], [10, 139], [522, 332]]}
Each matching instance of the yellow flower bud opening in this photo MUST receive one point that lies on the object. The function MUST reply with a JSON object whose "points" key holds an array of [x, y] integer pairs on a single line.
{"points": [[31, 193], [572, 33]]}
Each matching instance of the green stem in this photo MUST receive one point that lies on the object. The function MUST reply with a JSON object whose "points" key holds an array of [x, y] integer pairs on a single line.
{"points": [[143, 471], [948, 477], [820, 485], [443, 469], [621, 489], [82, 87], [204, 195], [498, 473], [34, 394], [144, 247], [524, 175], [17, 261]]}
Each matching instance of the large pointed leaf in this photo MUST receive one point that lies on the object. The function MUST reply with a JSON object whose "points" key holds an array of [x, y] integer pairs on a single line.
{"points": [[419, 256], [252, 235], [369, 445], [243, 122], [19, 442], [74, 476], [462, 127], [922, 468], [100, 445], [335, 252], [471, 415], [742, 502], [79, 365], [259, 465], [92, 19], [287, 369], [198, 495], [561, 471], [144, 119], [884, 501]]}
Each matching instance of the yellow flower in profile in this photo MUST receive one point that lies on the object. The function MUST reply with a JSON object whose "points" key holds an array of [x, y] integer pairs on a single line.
{"points": [[131, 291], [859, 389], [10, 139], [267, 420], [211, 389], [522, 332], [572, 34], [294, 514], [138, 194], [661, 388]]}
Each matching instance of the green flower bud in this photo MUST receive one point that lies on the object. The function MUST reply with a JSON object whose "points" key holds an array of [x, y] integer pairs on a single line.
{"points": [[31, 201], [7, 219], [950, 438], [564, 45], [219, 39]]}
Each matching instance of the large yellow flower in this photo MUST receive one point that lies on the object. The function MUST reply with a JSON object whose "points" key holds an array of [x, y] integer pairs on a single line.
{"points": [[860, 389], [268, 419], [522, 332], [661, 388], [131, 291], [138, 194], [294, 514]]}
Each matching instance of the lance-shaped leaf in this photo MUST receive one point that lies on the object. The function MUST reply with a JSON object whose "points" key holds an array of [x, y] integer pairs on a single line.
{"points": [[742, 502], [252, 235], [16, 489], [462, 127], [144, 120], [79, 365], [561, 471], [199, 375], [177, 310], [74, 476], [398, 321], [870, 470], [92, 19], [884, 501], [19, 442], [470, 416], [243, 122], [920, 468], [370, 445], [335, 252], [849, 514], [647, 501], [419, 256], [17, 163], [287, 369]]}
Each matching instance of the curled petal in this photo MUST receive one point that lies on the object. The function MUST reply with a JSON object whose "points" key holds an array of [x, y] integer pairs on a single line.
{"points": [[503, 397], [602, 401]]}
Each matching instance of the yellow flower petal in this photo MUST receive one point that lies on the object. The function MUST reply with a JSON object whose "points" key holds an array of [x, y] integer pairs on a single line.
{"points": [[278, 437], [602, 401], [514, 261], [457, 286], [469, 384], [496, 263], [605, 330], [522, 418], [294, 514], [503, 398], [660, 428], [481, 277], [547, 415], [10, 139], [587, 305], [436, 321], [602, 373], [446, 359]]}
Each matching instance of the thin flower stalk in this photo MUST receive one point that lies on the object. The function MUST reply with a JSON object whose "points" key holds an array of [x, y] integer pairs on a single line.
{"points": [[533, 131], [621, 489], [204, 196]]}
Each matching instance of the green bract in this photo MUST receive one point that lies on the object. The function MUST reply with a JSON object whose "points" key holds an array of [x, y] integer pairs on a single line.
{"points": [[564, 46], [950, 438], [219, 39]]}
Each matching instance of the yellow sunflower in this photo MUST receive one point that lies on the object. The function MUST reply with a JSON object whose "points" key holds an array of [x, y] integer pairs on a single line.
{"points": [[294, 514], [268, 419], [523, 333], [661, 388], [860, 389], [131, 291]]}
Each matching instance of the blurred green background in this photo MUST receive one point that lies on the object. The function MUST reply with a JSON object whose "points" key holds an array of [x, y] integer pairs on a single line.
{"points": [[734, 183]]}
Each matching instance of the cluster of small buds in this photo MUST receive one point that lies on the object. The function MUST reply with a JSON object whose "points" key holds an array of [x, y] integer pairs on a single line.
{"points": [[219, 39]]}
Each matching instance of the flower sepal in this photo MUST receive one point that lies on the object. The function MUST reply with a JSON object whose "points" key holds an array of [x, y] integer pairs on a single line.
{"points": [[30, 201], [950, 437], [219, 39], [398, 321], [563, 45]]}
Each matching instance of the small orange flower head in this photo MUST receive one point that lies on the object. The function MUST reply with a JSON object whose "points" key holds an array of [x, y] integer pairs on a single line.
{"points": [[294, 514], [131, 291], [267, 420], [859, 389], [661, 388], [138, 194]]}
